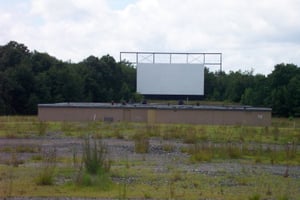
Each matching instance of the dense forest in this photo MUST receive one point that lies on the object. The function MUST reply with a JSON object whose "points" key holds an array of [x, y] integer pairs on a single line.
{"points": [[28, 78]]}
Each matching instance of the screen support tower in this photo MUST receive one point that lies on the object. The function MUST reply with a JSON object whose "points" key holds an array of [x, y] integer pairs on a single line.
{"points": [[210, 60]]}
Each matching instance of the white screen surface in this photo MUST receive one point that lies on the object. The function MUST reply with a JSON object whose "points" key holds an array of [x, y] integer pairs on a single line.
{"points": [[170, 79]]}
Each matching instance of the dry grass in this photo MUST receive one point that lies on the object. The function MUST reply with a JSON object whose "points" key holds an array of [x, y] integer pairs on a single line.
{"points": [[141, 143]]}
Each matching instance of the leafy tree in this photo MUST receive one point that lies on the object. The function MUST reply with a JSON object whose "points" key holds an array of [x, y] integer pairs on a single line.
{"points": [[293, 100], [209, 83], [12, 55], [255, 94], [41, 62], [284, 88], [279, 90]]}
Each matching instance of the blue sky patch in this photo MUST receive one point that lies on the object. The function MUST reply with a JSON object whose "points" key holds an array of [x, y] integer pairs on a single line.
{"points": [[120, 4]]}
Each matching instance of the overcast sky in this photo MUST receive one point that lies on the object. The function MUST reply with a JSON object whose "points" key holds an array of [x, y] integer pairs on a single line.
{"points": [[251, 34]]}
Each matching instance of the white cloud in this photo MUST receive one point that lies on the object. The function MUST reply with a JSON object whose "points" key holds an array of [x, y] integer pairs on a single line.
{"points": [[251, 34]]}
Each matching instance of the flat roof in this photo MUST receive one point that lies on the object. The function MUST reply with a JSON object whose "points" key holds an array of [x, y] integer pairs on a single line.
{"points": [[153, 106]]}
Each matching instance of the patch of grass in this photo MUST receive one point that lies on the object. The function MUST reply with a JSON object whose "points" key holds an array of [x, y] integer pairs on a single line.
{"points": [[276, 133], [233, 151], [284, 197], [117, 133], [37, 157], [200, 153], [47, 168], [21, 149], [42, 128], [28, 149], [8, 178], [6, 149], [45, 177], [11, 136], [14, 160], [172, 132], [141, 143], [190, 136], [254, 197], [153, 130], [100, 180], [286, 122], [281, 131], [202, 134], [204, 152], [167, 147]]}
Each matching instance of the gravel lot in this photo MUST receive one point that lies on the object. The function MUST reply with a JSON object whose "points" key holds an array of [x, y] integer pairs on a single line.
{"points": [[120, 149]]}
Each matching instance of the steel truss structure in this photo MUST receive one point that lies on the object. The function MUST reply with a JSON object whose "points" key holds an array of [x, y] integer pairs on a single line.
{"points": [[207, 59]]}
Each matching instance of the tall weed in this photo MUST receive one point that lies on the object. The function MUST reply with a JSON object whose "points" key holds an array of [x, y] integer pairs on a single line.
{"points": [[95, 167], [94, 157]]}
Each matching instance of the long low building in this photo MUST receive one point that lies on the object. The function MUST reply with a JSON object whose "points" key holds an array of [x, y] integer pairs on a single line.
{"points": [[156, 113]]}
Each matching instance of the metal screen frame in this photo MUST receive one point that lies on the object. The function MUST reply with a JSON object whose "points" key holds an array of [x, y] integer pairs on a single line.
{"points": [[189, 58]]}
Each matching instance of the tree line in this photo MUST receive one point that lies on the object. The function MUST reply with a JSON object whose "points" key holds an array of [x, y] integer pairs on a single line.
{"points": [[29, 78], [279, 90]]}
